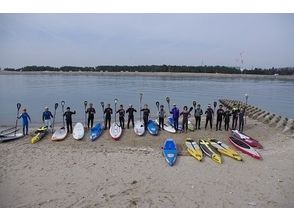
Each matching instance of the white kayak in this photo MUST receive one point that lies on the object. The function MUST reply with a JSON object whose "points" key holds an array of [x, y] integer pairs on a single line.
{"points": [[59, 134], [78, 131], [139, 128], [167, 127], [115, 131]]}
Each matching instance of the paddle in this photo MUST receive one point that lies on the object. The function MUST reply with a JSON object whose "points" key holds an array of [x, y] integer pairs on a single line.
{"points": [[157, 105], [18, 105], [115, 102], [55, 107], [85, 104], [168, 100], [62, 106], [141, 96], [102, 105], [191, 108], [194, 104], [214, 105]]}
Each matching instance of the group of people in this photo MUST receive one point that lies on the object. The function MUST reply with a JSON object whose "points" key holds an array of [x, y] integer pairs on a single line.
{"points": [[221, 115]]}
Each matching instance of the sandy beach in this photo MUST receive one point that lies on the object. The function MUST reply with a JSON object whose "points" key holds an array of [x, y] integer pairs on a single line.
{"points": [[132, 172], [150, 74]]}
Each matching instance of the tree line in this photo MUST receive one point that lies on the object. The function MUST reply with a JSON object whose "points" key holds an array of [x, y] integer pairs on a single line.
{"points": [[159, 68]]}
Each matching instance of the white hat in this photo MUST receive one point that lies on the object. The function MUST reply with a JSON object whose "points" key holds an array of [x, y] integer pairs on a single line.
{"points": [[174, 104]]}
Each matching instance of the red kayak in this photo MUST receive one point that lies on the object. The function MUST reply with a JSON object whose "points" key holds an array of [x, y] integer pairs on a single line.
{"points": [[249, 140], [244, 147]]}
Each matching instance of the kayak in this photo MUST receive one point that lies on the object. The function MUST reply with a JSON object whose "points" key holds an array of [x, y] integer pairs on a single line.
{"points": [[210, 151], [193, 149], [171, 122], [139, 128], [11, 137], [115, 131], [166, 127], [249, 140], [59, 135], [9, 131], [78, 131], [152, 127], [170, 151], [224, 149], [96, 131], [244, 147], [40, 134]]}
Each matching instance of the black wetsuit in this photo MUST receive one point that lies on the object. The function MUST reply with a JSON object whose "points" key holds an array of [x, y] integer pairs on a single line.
{"points": [[146, 113], [227, 115], [209, 114], [235, 112], [68, 120], [197, 114], [130, 111], [121, 117], [91, 112], [161, 115], [219, 118], [108, 113], [241, 120], [185, 120]]}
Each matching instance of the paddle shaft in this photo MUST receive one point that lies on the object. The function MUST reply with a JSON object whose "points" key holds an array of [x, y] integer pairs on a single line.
{"points": [[18, 105], [157, 105], [55, 107], [168, 101], [141, 96], [62, 105], [102, 105], [85, 104]]}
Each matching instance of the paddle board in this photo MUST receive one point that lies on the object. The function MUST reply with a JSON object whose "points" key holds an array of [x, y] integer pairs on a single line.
{"points": [[224, 149], [244, 147], [11, 137], [152, 127], [40, 134], [193, 149], [78, 131], [115, 131], [166, 127], [96, 131], [191, 126], [139, 128], [59, 135], [170, 151], [249, 140], [171, 122], [210, 151]]}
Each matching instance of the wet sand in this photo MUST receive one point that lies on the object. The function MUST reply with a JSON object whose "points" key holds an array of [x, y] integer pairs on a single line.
{"points": [[132, 172]]}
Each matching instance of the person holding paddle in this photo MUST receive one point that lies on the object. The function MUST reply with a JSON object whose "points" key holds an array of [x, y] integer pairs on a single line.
{"points": [[185, 114], [161, 115], [209, 115], [25, 121], [197, 114], [176, 113], [68, 118], [46, 117], [108, 113], [130, 111], [90, 111], [146, 113], [121, 113]]}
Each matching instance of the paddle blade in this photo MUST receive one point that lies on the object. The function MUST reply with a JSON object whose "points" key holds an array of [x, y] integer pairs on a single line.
{"points": [[18, 105], [194, 103], [56, 106]]}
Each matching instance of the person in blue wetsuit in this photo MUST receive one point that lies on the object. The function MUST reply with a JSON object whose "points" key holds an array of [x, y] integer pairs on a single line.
{"points": [[46, 118], [25, 121], [176, 113]]}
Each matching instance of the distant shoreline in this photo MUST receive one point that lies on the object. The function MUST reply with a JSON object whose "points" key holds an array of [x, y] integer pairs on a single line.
{"points": [[152, 74]]}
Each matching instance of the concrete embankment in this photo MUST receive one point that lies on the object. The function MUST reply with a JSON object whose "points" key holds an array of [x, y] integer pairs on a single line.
{"points": [[272, 119]]}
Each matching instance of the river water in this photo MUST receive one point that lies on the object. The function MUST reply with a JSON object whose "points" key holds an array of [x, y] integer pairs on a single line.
{"points": [[37, 91]]}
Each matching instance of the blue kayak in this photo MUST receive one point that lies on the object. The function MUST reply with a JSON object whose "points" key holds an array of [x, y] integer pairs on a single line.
{"points": [[152, 127], [96, 131], [170, 151], [171, 122]]}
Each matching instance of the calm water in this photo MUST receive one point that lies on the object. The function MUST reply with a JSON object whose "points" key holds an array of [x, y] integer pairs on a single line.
{"points": [[35, 92]]}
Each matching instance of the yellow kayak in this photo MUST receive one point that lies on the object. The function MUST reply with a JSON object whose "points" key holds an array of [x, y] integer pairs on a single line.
{"points": [[225, 149], [210, 151], [40, 133], [193, 149]]}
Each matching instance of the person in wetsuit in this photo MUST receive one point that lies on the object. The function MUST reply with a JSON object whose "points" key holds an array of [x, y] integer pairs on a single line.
{"points": [[108, 113], [91, 111], [68, 119], [130, 111], [185, 114], [219, 117], [209, 114], [241, 119], [235, 112], [197, 114], [146, 113], [176, 113], [46, 117], [227, 115], [161, 115], [25, 121], [121, 113]]}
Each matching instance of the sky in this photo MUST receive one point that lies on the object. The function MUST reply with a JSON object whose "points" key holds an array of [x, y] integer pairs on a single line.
{"points": [[261, 40]]}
